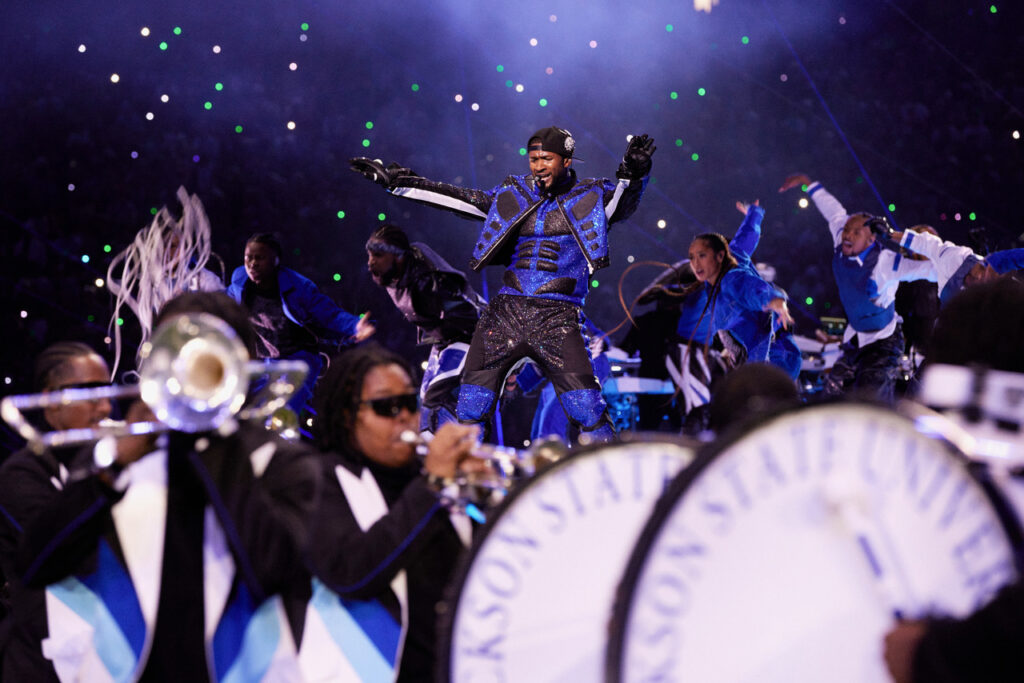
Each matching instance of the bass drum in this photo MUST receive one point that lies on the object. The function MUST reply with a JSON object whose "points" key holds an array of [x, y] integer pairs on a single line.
{"points": [[532, 599], [785, 552]]}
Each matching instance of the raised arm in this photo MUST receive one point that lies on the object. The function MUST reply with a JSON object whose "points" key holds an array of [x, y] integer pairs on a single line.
{"points": [[622, 197], [403, 182], [748, 235]]}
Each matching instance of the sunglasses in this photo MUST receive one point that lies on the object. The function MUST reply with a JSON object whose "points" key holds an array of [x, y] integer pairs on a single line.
{"points": [[391, 406]]}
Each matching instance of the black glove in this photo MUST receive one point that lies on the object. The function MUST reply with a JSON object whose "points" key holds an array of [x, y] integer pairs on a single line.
{"points": [[636, 163], [375, 170], [883, 231]]}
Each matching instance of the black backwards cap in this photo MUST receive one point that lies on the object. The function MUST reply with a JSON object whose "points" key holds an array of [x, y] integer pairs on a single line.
{"points": [[552, 139]]}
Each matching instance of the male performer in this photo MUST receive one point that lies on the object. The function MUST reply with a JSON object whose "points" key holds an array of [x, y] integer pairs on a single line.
{"points": [[550, 231], [440, 302]]}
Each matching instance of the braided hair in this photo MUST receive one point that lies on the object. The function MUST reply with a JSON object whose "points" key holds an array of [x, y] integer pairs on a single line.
{"points": [[339, 393], [50, 364]]}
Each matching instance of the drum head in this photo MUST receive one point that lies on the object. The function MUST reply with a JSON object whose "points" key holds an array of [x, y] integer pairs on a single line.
{"points": [[784, 552], [532, 599]]}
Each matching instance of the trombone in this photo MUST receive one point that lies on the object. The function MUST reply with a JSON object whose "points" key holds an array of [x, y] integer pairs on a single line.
{"points": [[194, 375]]}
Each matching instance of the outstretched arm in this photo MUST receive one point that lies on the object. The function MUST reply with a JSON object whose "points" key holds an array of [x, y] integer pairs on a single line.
{"points": [[748, 235], [622, 197], [403, 182]]}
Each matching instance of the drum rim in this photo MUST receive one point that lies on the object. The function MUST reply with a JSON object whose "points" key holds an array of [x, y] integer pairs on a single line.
{"points": [[621, 606], [464, 564]]}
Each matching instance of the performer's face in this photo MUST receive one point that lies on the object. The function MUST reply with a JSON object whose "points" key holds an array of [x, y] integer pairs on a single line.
{"points": [[260, 262], [548, 168], [384, 266], [77, 372], [378, 437], [705, 262], [857, 236]]}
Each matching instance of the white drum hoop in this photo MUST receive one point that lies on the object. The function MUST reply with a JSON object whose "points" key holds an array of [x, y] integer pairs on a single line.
{"points": [[695, 482], [656, 459]]}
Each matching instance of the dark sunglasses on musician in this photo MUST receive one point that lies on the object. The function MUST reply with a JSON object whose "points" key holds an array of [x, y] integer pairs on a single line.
{"points": [[391, 406]]}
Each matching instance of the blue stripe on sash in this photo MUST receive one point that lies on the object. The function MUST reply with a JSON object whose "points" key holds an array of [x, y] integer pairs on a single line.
{"points": [[364, 631]]}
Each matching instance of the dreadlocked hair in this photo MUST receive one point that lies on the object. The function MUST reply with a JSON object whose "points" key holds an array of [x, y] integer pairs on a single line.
{"points": [[47, 370], [339, 391], [719, 245]]}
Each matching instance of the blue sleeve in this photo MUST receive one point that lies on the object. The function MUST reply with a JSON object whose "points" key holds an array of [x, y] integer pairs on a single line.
{"points": [[749, 290], [320, 309], [691, 324], [1005, 261], [748, 235]]}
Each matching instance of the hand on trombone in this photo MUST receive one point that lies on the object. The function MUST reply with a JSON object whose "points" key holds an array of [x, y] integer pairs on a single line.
{"points": [[452, 451]]}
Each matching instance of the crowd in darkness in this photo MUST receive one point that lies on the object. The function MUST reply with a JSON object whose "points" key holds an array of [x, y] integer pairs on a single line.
{"points": [[936, 141]]}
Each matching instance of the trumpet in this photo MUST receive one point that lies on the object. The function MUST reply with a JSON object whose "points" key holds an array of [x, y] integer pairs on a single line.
{"points": [[505, 468], [194, 376]]}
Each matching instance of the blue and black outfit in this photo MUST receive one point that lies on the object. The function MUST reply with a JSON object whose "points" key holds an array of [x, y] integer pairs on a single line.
{"points": [[873, 341], [549, 242], [440, 302], [953, 262], [289, 321]]}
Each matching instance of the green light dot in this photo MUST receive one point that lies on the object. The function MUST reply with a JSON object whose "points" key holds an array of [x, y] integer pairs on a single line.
{"points": [[163, 45], [90, 318], [297, 251], [992, 9], [500, 68], [304, 26], [341, 214], [594, 283], [859, 180], [522, 151], [702, 92], [543, 102], [120, 321], [177, 30], [238, 129], [674, 95], [508, 84], [828, 305], [337, 277], [973, 216], [695, 156], [381, 216], [369, 125], [207, 105], [803, 188], [415, 87], [106, 248], [809, 300], [152, 211], [669, 27], [218, 86], [745, 40], [366, 142], [679, 142], [891, 207]]}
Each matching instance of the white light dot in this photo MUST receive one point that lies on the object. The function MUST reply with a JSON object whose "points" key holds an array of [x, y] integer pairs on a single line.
{"points": [[549, 71], [291, 125], [1016, 135], [475, 106], [629, 138], [593, 43], [803, 203], [216, 49], [71, 187], [81, 48], [145, 31], [423, 365], [552, 18], [630, 259], [303, 37], [114, 78], [7, 380], [458, 98], [533, 42], [24, 314], [956, 217], [99, 282], [662, 224], [842, 20], [783, 78], [165, 98], [135, 155], [107, 340], [519, 87], [293, 66], [149, 116]]}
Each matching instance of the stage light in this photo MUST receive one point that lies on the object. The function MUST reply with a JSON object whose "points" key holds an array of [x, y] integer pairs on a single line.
{"points": [[207, 105], [381, 217], [293, 66], [216, 49], [475, 106], [522, 151], [695, 156], [218, 86], [891, 207], [290, 125], [107, 248], [163, 44], [673, 95], [669, 27], [543, 102], [662, 224], [500, 68], [783, 77], [99, 282], [1015, 135], [135, 155], [594, 284], [973, 216], [337, 277], [745, 40], [24, 314], [238, 129], [553, 18], [458, 98], [71, 187], [114, 78], [81, 48], [549, 71], [341, 214], [630, 259], [809, 300], [149, 116], [195, 158], [304, 26], [85, 258], [533, 42], [145, 31], [415, 87], [177, 31], [165, 99], [519, 87], [369, 125], [803, 203], [366, 142], [702, 92], [593, 43], [679, 142]]}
